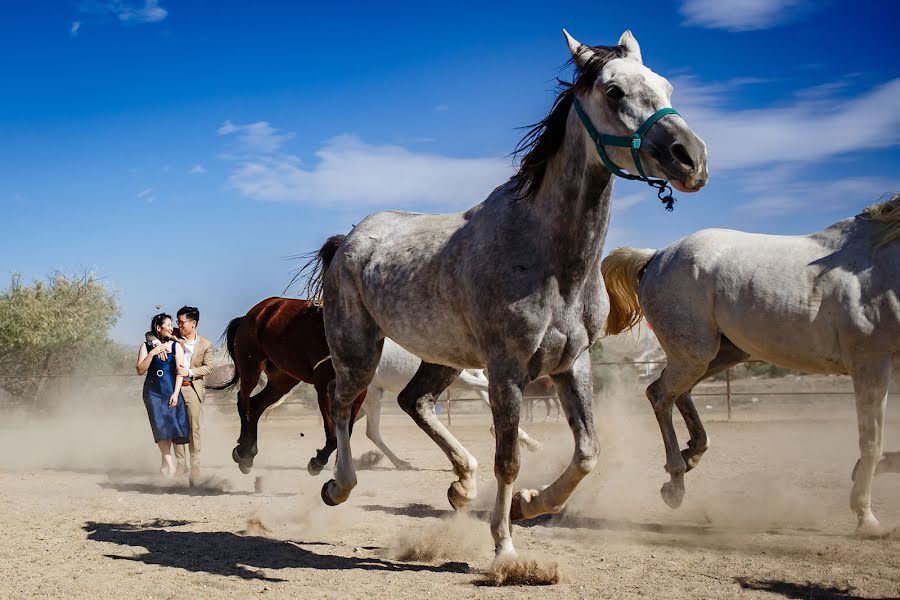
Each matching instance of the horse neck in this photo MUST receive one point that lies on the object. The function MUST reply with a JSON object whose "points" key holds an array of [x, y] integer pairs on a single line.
{"points": [[573, 203]]}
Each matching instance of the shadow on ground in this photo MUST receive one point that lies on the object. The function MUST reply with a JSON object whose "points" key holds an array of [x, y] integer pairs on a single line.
{"points": [[233, 555], [798, 591]]}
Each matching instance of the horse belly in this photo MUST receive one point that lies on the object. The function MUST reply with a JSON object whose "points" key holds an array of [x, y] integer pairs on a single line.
{"points": [[791, 344]]}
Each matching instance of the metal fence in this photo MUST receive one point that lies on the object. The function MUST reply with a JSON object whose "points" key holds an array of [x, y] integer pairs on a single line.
{"points": [[703, 390]]}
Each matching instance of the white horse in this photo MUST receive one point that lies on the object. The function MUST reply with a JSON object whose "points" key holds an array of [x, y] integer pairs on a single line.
{"points": [[395, 369], [513, 284], [823, 303]]}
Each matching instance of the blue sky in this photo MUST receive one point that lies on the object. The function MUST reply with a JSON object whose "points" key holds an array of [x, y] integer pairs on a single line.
{"points": [[182, 150]]}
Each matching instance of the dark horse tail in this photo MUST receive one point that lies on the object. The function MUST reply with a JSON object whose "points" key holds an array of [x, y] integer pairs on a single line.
{"points": [[229, 334], [317, 265]]}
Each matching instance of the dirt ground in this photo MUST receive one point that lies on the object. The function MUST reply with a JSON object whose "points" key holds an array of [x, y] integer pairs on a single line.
{"points": [[766, 513]]}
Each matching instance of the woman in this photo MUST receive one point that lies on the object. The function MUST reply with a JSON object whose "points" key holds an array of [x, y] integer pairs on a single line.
{"points": [[162, 391]]}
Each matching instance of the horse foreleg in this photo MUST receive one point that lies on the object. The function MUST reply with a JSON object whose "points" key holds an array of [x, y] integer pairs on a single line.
{"points": [[531, 444], [417, 400], [871, 377], [576, 395], [373, 428], [506, 405]]}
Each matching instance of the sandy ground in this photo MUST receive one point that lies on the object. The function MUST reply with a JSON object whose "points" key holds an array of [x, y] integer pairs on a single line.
{"points": [[766, 513]]}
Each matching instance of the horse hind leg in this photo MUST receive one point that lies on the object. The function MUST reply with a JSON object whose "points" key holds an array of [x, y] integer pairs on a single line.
{"points": [[575, 390], [318, 462], [278, 384], [728, 356], [870, 383], [372, 406], [354, 356], [250, 370], [676, 379], [417, 400]]}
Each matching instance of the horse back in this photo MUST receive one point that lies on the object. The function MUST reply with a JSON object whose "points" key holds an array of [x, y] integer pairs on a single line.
{"points": [[289, 333]]}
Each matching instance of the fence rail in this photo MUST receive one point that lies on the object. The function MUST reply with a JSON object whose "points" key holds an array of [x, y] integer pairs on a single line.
{"points": [[728, 392]]}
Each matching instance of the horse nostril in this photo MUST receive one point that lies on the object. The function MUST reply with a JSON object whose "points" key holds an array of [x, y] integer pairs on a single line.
{"points": [[680, 153]]}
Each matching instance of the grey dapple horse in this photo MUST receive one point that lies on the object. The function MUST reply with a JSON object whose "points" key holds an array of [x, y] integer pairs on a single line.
{"points": [[512, 284], [823, 303]]}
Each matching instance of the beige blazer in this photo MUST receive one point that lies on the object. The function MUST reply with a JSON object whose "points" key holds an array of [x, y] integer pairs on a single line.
{"points": [[201, 364]]}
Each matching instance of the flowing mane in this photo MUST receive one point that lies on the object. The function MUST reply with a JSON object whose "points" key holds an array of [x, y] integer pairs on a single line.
{"points": [[542, 140], [887, 212]]}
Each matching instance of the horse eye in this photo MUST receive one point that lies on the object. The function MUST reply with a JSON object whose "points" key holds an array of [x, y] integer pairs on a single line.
{"points": [[615, 93]]}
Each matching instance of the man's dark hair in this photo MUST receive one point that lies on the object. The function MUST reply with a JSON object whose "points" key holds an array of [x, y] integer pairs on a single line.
{"points": [[191, 312]]}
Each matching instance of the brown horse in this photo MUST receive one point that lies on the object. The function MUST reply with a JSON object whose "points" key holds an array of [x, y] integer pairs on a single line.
{"points": [[285, 338]]}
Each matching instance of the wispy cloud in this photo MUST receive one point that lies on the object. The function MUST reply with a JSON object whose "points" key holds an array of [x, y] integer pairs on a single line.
{"points": [[146, 194], [781, 193], [197, 170], [74, 28], [743, 15], [350, 172], [811, 128], [441, 108], [622, 203], [125, 11], [259, 137]]}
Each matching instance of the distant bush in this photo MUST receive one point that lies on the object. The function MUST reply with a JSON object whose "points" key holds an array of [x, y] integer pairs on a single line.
{"points": [[56, 327]]}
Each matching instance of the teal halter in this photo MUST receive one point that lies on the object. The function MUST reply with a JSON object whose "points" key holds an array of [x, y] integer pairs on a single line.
{"points": [[664, 192]]}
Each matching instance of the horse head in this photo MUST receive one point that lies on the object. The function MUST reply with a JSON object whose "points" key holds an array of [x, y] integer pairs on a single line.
{"points": [[629, 108]]}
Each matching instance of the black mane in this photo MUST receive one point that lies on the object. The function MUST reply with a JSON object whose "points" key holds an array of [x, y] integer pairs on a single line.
{"points": [[544, 138]]}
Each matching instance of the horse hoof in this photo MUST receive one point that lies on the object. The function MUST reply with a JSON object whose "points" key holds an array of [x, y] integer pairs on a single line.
{"points": [[245, 466], [235, 455], [314, 467], [402, 465], [672, 494], [326, 496], [458, 500]]}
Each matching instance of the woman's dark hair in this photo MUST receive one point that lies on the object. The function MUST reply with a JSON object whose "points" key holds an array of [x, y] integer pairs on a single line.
{"points": [[158, 320]]}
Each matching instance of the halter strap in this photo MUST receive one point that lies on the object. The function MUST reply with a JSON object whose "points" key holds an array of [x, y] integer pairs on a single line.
{"points": [[321, 362], [664, 192]]}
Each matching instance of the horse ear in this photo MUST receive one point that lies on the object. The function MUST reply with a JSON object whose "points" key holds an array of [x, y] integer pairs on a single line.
{"points": [[580, 52], [631, 47]]}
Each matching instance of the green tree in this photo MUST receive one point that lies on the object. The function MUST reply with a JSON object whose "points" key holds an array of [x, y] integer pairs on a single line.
{"points": [[54, 327]]}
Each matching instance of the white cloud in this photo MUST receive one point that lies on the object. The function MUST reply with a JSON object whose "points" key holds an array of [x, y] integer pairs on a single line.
{"points": [[125, 11], [197, 170], [808, 129], [773, 196], [259, 137], [622, 203], [350, 172], [146, 194], [441, 108], [75, 28], [741, 15]]}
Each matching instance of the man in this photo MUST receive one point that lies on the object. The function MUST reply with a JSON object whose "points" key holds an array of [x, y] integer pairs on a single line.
{"points": [[198, 355]]}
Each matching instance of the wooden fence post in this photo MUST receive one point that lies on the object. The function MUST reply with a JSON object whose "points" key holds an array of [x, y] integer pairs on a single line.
{"points": [[728, 391]]}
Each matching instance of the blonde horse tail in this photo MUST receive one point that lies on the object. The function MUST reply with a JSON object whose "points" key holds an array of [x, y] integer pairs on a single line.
{"points": [[622, 271]]}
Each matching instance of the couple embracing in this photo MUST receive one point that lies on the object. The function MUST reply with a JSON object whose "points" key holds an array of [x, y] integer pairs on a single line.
{"points": [[175, 362]]}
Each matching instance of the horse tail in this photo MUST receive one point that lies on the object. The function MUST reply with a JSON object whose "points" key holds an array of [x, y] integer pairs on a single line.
{"points": [[229, 335], [317, 265], [622, 271]]}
